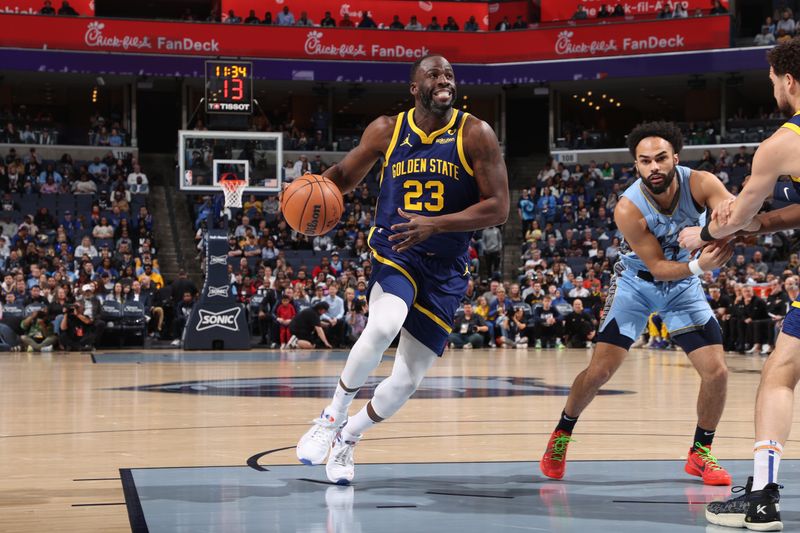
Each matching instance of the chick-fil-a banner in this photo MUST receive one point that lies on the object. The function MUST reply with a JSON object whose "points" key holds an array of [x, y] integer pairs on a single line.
{"points": [[141, 37], [487, 15], [30, 7], [564, 10]]}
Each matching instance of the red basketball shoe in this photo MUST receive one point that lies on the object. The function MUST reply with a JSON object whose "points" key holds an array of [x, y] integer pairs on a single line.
{"points": [[555, 456], [702, 464]]}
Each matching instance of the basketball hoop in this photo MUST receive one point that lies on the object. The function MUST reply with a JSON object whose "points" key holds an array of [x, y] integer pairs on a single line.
{"points": [[233, 189]]}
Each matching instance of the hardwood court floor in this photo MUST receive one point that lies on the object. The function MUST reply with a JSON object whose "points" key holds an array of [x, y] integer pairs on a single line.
{"points": [[68, 423]]}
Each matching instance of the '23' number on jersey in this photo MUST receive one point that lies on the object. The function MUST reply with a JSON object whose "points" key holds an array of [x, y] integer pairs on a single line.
{"points": [[414, 191]]}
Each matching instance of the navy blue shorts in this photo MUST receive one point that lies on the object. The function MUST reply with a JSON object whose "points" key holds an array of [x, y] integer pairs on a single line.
{"points": [[791, 324], [432, 287]]}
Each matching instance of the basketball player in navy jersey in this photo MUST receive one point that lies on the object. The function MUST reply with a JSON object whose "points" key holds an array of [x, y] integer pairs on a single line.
{"points": [[442, 178], [757, 508]]}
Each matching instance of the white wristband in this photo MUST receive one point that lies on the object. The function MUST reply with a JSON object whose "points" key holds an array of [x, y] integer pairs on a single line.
{"points": [[695, 267]]}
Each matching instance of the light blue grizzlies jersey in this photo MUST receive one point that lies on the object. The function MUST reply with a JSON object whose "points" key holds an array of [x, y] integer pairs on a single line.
{"points": [[664, 225], [428, 175]]}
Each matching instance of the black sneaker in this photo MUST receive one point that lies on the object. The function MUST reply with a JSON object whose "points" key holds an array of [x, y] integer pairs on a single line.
{"points": [[764, 513], [755, 510]]}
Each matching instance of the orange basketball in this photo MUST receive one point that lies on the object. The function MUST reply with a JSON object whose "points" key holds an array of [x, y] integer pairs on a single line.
{"points": [[312, 204]]}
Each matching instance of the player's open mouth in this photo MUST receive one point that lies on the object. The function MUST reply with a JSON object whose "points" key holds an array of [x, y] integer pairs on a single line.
{"points": [[657, 179], [443, 94]]}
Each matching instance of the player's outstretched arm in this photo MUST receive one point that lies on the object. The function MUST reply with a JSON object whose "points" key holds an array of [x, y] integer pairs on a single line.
{"points": [[634, 228], [482, 151], [349, 172], [773, 158]]}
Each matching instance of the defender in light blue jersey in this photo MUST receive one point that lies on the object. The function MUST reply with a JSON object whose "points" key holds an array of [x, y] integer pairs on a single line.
{"points": [[654, 274], [442, 177]]}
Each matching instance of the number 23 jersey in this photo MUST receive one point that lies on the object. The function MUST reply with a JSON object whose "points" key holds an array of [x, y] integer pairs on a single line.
{"points": [[427, 175]]}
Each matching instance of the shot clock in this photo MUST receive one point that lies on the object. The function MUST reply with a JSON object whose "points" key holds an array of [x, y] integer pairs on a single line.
{"points": [[229, 87]]}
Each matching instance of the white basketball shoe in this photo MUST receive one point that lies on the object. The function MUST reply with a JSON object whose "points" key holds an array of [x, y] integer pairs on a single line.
{"points": [[341, 468], [314, 445]]}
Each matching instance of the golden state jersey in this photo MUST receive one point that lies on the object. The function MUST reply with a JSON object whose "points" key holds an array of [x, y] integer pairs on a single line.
{"points": [[794, 125], [428, 175]]}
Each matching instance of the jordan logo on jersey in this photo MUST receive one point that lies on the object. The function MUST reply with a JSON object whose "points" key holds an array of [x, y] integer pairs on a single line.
{"points": [[406, 142]]}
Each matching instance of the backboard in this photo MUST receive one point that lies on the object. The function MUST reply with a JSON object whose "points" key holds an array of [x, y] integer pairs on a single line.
{"points": [[204, 156]]}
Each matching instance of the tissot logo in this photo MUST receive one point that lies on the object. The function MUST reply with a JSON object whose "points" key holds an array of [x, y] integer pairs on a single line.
{"points": [[218, 260], [224, 319], [218, 291]]}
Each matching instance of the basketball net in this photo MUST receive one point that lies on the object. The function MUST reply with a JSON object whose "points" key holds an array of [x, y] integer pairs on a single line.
{"points": [[233, 190]]}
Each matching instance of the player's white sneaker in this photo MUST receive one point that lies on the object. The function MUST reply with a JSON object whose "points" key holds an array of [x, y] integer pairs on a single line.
{"points": [[341, 468], [765, 349], [313, 447]]}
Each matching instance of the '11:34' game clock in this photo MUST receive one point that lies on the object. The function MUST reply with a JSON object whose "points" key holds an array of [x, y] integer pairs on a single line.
{"points": [[229, 87]]}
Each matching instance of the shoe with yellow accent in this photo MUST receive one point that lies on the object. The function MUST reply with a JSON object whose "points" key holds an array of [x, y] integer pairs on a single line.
{"points": [[554, 460], [702, 464]]}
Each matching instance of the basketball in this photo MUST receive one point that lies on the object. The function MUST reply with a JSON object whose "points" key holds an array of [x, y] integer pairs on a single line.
{"points": [[312, 204]]}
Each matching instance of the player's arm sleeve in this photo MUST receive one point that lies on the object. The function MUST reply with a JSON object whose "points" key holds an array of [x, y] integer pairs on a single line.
{"points": [[633, 226], [349, 172]]}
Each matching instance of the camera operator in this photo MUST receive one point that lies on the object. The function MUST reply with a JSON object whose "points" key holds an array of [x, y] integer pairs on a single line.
{"points": [[468, 329], [77, 331], [39, 335]]}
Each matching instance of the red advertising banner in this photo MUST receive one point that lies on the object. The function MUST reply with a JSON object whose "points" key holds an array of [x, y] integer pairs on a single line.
{"points": [[199, 39], [29, 7], [383, 11], [563, 9]]}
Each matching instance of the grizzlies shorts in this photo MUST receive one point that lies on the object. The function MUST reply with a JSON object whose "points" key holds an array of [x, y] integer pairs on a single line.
{"points": [[682, 305], [791, 324], [432, 287]]}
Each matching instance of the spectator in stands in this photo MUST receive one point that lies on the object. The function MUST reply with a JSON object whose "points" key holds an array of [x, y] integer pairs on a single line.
{"points": [[356, 319], [367, 21], [327, 21], [346, 22], [519, 24], [470, 25], [765, 38], [67, 9], [10, 134], [579, 327], [47, 9], [755, 321], [252, 18], [718, 8], [182, 313], [434, 25], [603, 12], [548, 325], [450, 25], [414, 24], [619, 11], [786, 23], [232, 18], [665, 13], [742, 158], [468, 329], [285, 17], [580, 13], [304, 20], [503, 25], [135, 174], [492, 245], [267, 18]]}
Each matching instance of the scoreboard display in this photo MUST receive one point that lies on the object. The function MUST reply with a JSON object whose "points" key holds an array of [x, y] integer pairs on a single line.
{"points": [[229, 87]]}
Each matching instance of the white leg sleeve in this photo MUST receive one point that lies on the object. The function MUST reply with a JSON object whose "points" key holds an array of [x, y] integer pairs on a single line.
{"points": [[387, 313], [412, 361]]}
